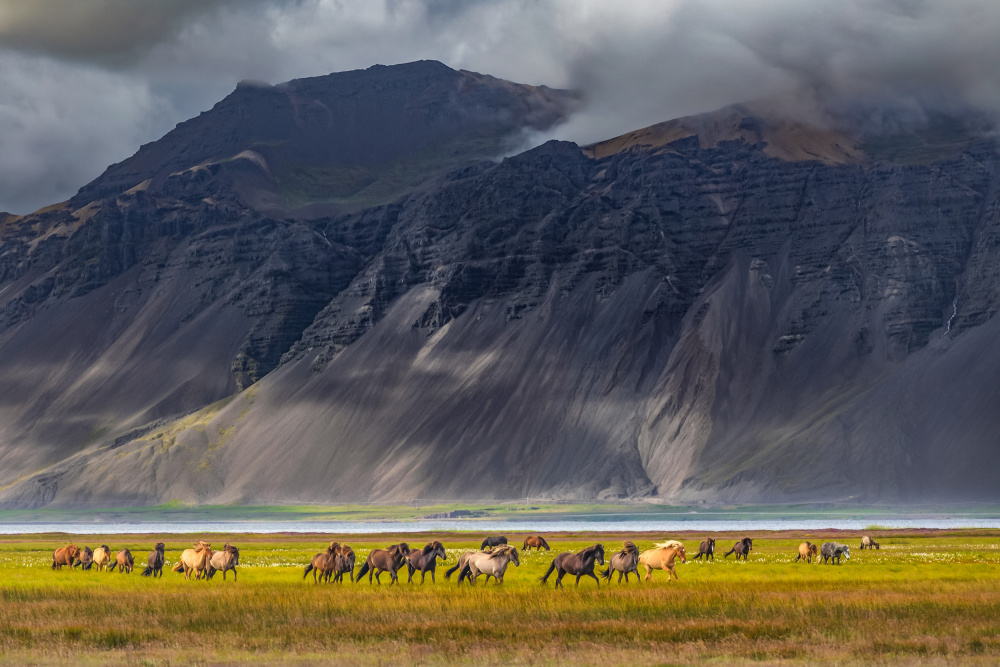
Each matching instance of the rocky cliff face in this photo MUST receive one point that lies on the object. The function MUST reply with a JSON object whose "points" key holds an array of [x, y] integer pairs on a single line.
{"points": [[727, 308]]}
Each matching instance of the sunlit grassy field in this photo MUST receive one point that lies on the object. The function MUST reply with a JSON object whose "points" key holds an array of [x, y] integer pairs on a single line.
{"points": [[925, 597]]}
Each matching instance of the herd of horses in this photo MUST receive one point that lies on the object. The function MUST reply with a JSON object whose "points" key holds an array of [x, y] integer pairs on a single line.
{"points": [[492, 560]]}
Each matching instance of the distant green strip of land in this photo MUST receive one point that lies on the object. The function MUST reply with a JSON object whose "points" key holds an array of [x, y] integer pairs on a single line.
{"points": [[177, 511]]}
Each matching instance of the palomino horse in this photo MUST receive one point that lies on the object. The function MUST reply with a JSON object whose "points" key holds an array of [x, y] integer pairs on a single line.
{"points": [[807, 551], [741, 548], [535, 541], [124, 562], [194, 560], [102, 557], [868, 543], [624, 562], [493, 541], [493, 564], [579, 564], [662, 557], [155, 561], [344, 564], [224, 561], [425, 560], [65, 556], [706, 549], [384, 560], [322, 563], [85, 559]]}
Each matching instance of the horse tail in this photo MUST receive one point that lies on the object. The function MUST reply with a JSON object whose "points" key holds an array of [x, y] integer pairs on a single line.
{"points": [[606, 574], [466, 572], [309, 568], [178, 568], [148, 571], [450, 571], [362, 572], [552, 567], [726, 555]]}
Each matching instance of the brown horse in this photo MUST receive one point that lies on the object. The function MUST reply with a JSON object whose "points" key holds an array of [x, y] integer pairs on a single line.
{"points": [[124, 562], [662, 557], [344, 564], [706, 549], [425, 560], [85, 559], [323, 563], [65, 556], [195, 560], [155, 561], [741, 548], [384, 560], [868, 543], [224, 561], [102, 557], [579, 564], [535, 542], [624, 562], [807, 551]]}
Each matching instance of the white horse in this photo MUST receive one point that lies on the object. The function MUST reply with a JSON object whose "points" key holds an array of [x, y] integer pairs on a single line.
{"points": [[492, 564]]}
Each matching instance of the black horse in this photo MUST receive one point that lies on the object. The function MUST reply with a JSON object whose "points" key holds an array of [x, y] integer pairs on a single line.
{"points": [[155, 561], [707, 549], [425, 561], [578, 564], [741, 548], [493, 541]]}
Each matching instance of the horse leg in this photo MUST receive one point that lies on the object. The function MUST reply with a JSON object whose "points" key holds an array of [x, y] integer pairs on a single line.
{"points": [[649, 572], [620, 576], [591, 574], [559, 575]]}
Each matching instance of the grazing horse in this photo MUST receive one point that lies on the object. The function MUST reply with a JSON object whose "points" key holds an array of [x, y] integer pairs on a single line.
{"points": [[492, 564], [384, 560], [833, 550], [535, 541], [624, 562], [344, 564], [868, 543], [155, 561], [102, 557], [322, 563], [662, 557], [425, 560], [124, 562], [65, 556], [195, 560], [741, 548], [85, 559], [224, 561], [578, 564], [706, 549], [493, 541], [807, 551]]}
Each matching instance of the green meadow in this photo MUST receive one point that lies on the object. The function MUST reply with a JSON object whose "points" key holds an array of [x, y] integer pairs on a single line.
{"points": [[926, 597]]}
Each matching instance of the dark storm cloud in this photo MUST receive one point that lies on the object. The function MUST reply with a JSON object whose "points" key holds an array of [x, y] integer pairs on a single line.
{"points": [[85, 82]]}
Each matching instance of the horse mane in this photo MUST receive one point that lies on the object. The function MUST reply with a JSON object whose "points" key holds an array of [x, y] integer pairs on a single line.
{"points": [[160, 546], [429, 548], [583, 553], [628, 547], [231, 549], [500, 550], [669, 544]]}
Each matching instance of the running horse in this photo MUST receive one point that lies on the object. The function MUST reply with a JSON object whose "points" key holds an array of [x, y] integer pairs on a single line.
{"points": [[662, 557], [195, 560], [155, 561], [579, 564], [741, 548], [807, 552], [425, 560], [493, 564], [624, 562], [344, 564], [384, 560], [706, 549], [323, 563], [224, 561], [65, 556]]}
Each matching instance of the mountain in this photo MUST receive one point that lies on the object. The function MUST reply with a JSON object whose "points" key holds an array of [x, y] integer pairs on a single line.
{"points": [[732, 307]]}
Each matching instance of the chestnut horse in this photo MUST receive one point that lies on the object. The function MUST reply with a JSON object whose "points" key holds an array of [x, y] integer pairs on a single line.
{"points": [[579, 564], [155, 561], [65, 556], [224, 561], [535, 541], [124, 562], [102, 557], [85, 559], [662, 557], [807, 551], [195, 560], [322, 563], [624, 562], [384, 560], [741, 548], [425, 560], [493, 564]]}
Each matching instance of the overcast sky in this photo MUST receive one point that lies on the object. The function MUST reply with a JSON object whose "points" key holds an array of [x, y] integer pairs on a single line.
{"points": [[84, 82]]}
